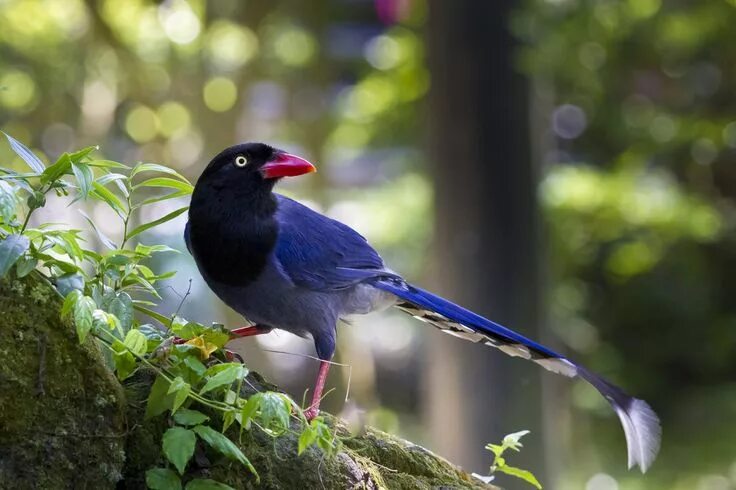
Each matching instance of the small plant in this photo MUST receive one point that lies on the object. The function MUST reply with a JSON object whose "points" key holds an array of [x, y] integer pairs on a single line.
{"points": [[510, 441], [103, 290]]}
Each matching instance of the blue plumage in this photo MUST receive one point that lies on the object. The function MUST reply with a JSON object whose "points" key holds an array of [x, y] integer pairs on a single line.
{"points": [[322, 254], [282, 265]]}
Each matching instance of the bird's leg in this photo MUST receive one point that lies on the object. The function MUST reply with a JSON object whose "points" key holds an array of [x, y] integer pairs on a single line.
{"points": [[319, 386], [249, 331], [237, 333]]}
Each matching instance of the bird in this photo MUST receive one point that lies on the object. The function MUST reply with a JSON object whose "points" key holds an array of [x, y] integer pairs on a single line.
{"points": [[282, 265]]}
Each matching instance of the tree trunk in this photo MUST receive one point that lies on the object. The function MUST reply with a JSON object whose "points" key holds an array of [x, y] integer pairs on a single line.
{"points": [[67, 423], [486, 244]]}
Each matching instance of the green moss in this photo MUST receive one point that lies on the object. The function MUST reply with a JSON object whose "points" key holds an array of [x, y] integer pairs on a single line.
{"points": [[63, 423]]}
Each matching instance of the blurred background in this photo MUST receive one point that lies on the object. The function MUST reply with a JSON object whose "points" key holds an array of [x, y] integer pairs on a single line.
{"points": [[566, 167]]}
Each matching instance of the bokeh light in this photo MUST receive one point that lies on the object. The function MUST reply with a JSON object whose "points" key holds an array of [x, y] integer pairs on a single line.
{"points": [[220, 94], [230, 46], [141, 123], [17, 90], [294, 46]]}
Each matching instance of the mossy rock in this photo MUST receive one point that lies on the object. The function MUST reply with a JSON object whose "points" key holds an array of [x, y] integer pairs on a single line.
{"points": [[62, 422], [66, 422]]}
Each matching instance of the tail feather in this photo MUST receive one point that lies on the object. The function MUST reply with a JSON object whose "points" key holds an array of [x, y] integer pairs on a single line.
{"points": [[640, 423]]}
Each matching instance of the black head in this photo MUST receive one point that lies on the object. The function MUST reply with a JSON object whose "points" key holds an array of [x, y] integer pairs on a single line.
{"points": [[255, 163]]}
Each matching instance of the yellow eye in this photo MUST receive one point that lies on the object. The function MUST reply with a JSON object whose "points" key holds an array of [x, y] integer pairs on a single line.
{"points": [[241, 161]]}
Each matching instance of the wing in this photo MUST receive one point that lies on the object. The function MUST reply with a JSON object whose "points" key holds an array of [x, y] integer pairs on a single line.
{"points": [[322, 254]]}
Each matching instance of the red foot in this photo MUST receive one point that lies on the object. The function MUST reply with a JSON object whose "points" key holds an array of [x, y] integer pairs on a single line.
{"points": [[319, 386], [311, 413]]}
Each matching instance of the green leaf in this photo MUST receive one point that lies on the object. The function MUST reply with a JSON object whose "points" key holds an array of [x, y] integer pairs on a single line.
{"points": [[69, 303], [101, 236], [512, 441], [11, 249], [36, 200], [140, 229], [186, 416], [27, 155], [53, 172], [107, 164], [125, 363], [159, 400], [166, 182], [223, 445], [8, 201], [195, 365], [155, 315], [84, 176], [519, 473], [306, 439], [68, 243], [25, 265], [136, 342], [184, 329], [165, 197], [83, 316], [250, 409], [180, 389], [225, 377], [275, 411], [102, 193], [151, 332], [217, 337], [68, 282], [496, 449], [105, 320], [228, 418], [79, 155], [154, 167], [121, 182], [178, 445], [207, 484], [162, 479], [121, 305], [149, 250], [111, 177]]}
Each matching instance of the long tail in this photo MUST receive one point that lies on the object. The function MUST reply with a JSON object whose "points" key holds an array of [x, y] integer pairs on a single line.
{"points": [[640, 423]]}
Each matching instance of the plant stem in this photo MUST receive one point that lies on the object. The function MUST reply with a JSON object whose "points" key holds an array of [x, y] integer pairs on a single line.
{"points": [[25, 223], [129, 212]]}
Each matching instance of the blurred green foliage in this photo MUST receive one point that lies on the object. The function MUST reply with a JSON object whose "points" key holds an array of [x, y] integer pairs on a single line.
{"points": [[639, 196]]}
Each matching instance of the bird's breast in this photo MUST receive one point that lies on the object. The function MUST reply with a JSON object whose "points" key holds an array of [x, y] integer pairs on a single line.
{"points": [[230, 252]]}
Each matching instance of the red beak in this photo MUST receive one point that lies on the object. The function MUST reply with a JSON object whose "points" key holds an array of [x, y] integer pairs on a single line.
{"points": [[286, 165]]}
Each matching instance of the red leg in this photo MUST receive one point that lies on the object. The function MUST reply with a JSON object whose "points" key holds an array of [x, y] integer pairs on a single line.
{"points": [[249, 331], [319, 386], [237, 333]]}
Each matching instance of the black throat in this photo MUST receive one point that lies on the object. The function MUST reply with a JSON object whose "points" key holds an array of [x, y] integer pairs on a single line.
{"points": [[232, 230]]}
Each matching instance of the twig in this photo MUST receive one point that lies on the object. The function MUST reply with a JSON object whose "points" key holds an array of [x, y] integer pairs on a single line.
{"points": [[183, 298]]}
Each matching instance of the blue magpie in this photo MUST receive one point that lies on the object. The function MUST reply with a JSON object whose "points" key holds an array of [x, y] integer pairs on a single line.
{"points": [[282, 265]]}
